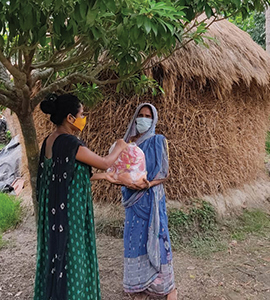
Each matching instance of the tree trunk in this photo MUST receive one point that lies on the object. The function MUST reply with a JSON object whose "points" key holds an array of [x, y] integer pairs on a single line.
{"points": [[32, 151], [267, 29]]}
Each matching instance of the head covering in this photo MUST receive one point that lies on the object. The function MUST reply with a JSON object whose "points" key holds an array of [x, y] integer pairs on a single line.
{"points": [[132, 131]]}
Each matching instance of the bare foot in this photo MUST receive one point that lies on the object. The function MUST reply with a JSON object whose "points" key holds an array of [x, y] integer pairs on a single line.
{"points": [[172, 295]]}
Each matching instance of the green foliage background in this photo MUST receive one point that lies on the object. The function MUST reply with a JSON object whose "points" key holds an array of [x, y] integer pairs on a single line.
{"points": [[254, 25]]}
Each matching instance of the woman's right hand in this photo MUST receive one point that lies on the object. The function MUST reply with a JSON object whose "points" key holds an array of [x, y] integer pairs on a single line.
{"points": [[88, 157]]}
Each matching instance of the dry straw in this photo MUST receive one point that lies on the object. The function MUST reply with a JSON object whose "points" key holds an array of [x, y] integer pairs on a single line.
{"points": [[215, 116]]}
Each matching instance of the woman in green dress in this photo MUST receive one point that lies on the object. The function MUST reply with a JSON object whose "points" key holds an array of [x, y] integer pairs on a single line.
{"points": [[67, 267]]}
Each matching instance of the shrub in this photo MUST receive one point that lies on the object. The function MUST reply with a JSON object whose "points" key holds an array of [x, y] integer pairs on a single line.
{"points": [[267, 143], [197, 229], [10, 211]]}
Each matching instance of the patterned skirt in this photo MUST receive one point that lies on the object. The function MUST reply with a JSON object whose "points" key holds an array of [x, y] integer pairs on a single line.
{"points": [[139, 274], [82, 265]]}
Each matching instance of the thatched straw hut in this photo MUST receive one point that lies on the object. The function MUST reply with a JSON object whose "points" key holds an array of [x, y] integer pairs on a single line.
{"points": [[215, 115]]}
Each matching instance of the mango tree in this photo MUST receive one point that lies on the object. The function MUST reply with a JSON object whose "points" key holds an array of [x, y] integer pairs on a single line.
{"points": [[54, 43]]}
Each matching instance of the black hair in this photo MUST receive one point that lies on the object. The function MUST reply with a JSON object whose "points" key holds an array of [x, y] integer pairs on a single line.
{"points": [[148, 106], [59, 107]]}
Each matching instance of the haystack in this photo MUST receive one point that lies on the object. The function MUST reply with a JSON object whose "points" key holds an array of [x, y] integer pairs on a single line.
{"points": [[215, 115]]}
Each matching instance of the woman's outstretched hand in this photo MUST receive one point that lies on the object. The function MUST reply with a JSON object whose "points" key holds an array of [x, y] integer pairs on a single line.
{"points": [[110, 177], [144, 185]]}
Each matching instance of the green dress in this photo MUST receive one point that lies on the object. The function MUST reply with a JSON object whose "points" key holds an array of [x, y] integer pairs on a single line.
{"points": [[82, 266]]}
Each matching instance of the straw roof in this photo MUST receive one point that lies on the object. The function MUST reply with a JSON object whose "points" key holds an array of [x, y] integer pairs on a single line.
{"points": [[215, 115], [230, 57]]}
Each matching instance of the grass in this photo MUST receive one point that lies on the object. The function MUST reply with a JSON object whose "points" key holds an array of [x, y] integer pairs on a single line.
{"points": [[267, 143], [10, 213], [8, 139], [196, 229], [255, 222], [199, 232]]}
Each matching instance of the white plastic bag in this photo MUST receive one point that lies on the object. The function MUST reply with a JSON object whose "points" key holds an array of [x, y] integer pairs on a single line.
{"points": [[130, 167]]}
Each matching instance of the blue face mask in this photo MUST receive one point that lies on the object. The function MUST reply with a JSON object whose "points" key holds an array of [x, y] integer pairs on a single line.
{"points": [[143, 124]]}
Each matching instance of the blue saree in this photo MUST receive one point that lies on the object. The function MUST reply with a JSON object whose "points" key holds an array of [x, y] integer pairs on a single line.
{"points": [[147, 248]]}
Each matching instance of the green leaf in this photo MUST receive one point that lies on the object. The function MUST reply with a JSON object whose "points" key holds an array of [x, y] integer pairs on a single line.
{"points": [[208, 11], [144, 77], [91, 17], [58, 43], [2, 42], [47, 2], [154, 28], [111, 5], [119, 29], [162, 29], [158, 5], [96, 32], [161, 89], [141, 42], [118, 88], [140, 21], [12, 29], [134, 33], [77, 12], [65, 35], [171, 28], [56, 26], [237, 3], [83, 9], [147, 25], [43, 40], [126, 11], [42, 32], [57, 5]]}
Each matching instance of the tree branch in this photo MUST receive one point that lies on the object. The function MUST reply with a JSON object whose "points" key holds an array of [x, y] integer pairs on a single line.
{"points": [[63, 64], [147, 60], [13, 70], [49, 89], [188, 24], [4, 77], [101, 67], [54, 56], [88, 78], [28, 58], [5, 101], [57, 85], [72, 78], [38, 75], [6, 93]]}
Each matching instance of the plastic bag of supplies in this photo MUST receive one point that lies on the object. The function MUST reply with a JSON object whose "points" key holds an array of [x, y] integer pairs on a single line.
{"points": [[130, 167]]}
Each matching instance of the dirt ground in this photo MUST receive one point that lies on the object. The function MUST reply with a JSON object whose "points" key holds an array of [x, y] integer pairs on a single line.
{"points": [[242, 272]]}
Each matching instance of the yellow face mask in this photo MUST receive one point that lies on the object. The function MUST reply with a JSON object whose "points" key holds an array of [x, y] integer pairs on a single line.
{"points": [[79, 123]]}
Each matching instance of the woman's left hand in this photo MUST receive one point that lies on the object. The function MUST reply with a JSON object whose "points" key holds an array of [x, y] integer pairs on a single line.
{"points": [[144, 185]]}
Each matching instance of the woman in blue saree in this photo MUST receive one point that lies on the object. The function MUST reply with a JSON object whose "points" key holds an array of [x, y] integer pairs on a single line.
{"points": [[148, 267]]}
